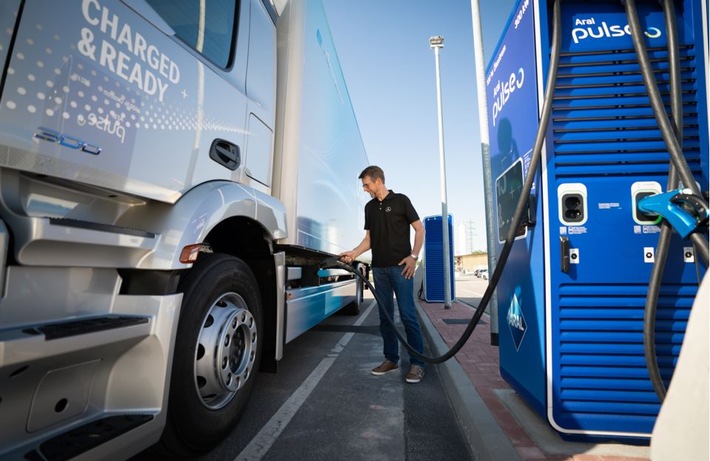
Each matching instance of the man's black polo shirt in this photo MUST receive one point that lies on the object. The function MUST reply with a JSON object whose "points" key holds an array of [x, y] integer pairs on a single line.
{"points": [[389, 222]]}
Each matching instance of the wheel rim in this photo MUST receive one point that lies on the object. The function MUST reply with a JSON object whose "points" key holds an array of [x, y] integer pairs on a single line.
{"points": [[226, 350]]}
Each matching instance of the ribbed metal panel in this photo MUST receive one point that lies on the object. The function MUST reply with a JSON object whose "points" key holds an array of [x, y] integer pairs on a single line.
{"points": [[603, 123], [434, 259], [600, 365], [605, 132]]}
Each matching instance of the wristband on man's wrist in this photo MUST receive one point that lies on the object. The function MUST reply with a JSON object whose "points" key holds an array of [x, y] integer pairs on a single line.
{"points": [[414, 256]]}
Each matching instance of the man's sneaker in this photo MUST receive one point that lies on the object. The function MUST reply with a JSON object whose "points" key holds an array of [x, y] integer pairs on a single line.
{"points": [[416, 373], [385, 367]]}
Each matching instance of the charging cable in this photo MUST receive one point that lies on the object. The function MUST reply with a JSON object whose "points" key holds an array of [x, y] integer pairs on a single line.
{"points": [[684, 210]]}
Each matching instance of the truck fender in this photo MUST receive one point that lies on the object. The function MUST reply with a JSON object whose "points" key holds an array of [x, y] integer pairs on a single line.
{"points": [[198, 211]]}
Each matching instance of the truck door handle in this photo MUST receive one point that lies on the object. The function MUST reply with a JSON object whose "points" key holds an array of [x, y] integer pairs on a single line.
{"points": [[226, 154]]}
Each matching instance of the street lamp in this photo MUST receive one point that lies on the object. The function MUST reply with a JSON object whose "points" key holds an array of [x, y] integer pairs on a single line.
{"points": [[437, 42]]}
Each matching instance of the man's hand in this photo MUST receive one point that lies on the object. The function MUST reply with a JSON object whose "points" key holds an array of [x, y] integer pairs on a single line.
{"points": [[410, 265], [347, 256]]}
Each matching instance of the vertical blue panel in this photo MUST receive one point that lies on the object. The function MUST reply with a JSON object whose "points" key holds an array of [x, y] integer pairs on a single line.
{"points": [[434, 259], [511, 89]]}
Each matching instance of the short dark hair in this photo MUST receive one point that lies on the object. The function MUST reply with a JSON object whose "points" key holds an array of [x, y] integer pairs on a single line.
{"points": [[373, 172]]}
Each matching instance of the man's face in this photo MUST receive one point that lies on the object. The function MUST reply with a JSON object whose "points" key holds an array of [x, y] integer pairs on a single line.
{"points": [[370, 186]]}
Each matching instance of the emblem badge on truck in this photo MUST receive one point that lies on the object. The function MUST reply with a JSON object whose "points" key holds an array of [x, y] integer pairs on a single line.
{"points": [[47, 134]]}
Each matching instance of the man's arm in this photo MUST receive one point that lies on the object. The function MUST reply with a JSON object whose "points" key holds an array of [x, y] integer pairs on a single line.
{"points": [[349, 256], [410, 262], [418, 237]]}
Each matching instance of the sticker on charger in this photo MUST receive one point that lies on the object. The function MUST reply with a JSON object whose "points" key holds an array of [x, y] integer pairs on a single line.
{"points": [[516, 321], [609, 206], [649, 254], [688, 254]]}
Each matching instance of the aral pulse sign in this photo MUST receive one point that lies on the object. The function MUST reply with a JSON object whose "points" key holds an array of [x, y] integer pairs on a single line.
{"points": [[589, 29]]}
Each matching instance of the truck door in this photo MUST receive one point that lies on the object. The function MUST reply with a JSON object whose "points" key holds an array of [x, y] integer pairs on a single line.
{"points": [[125, 95]]}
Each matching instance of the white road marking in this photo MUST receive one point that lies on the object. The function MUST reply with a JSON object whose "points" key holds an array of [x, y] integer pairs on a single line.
{"points": [[267, 436]]}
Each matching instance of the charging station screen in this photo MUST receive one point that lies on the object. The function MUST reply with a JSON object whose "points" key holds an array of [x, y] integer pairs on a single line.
{"points": [[509, 187]]}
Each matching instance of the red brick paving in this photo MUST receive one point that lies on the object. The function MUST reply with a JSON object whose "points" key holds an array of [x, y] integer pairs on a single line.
{"points": [[479, 360]]}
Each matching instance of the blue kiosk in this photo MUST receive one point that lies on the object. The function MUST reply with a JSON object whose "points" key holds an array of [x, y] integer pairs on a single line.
{"points": [[434, 259]]}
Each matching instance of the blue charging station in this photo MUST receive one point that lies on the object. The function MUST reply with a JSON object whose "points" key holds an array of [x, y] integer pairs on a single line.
{"points": [[572, 295], [434, 259]]}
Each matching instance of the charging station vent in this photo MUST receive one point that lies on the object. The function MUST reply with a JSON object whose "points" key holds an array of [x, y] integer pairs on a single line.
{"points": [[434, 287], [603, 122], [602, 370]]}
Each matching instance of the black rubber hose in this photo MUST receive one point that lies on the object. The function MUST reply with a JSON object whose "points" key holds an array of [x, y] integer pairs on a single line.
{"points": [[650, 309], [520, 210], [674, 144], [659, 111], [664, 239]]}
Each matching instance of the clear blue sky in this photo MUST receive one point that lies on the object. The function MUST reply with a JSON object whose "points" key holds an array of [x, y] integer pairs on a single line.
{"points": [[383, 47]]}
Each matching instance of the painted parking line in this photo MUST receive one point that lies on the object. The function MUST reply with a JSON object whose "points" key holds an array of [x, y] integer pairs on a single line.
{"points": [[267, 436]]}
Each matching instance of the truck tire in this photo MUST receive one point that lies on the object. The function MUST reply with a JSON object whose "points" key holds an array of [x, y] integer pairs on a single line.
{"points": [[353, 308], [217, 353]]}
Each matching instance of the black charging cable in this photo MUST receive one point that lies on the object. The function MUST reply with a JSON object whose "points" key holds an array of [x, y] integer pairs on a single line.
{"points": [[678, 167]]}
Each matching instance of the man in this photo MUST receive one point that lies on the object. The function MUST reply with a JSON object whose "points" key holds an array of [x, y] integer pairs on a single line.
{"points": [[388, 217]]}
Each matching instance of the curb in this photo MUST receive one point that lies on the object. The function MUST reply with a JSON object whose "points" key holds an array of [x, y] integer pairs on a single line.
{"points": [[485, 437]]}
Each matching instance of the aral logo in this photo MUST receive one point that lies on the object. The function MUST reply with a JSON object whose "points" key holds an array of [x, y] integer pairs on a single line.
{"points": [[516, 322], [590, 29]]}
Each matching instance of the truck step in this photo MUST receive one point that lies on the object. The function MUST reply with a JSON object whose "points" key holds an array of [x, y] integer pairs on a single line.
{"points": [[56, 339], [72, 443], [79, 327]]}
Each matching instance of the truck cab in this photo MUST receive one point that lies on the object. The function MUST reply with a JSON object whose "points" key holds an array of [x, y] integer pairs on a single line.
{"points": [[162, 221]]}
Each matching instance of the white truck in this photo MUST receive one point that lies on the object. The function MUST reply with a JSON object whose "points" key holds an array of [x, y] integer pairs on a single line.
{"points": [[172, 174]]}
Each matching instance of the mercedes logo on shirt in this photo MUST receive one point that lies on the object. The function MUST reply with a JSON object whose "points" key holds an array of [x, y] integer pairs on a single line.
{"points": [[388, 209]]}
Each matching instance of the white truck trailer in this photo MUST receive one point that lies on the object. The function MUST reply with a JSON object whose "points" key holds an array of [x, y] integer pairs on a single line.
{"points": [[172, 174]]}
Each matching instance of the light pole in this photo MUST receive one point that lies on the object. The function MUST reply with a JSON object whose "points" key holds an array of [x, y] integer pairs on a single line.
{"points": [[436, 43], [485, 158]]}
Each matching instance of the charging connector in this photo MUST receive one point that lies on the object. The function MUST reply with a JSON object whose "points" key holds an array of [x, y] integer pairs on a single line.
{"points": [[639, 191]]}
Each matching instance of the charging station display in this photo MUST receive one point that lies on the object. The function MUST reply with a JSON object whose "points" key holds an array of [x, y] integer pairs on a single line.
{"points": [[509, 187], [571, 298]]}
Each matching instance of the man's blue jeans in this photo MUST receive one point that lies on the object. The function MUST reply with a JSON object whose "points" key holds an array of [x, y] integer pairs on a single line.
{"points": [[389, 280]]}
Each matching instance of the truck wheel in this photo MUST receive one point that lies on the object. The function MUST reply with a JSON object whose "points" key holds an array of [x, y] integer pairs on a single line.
{"points": [[217, 352], [353, 308]]}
